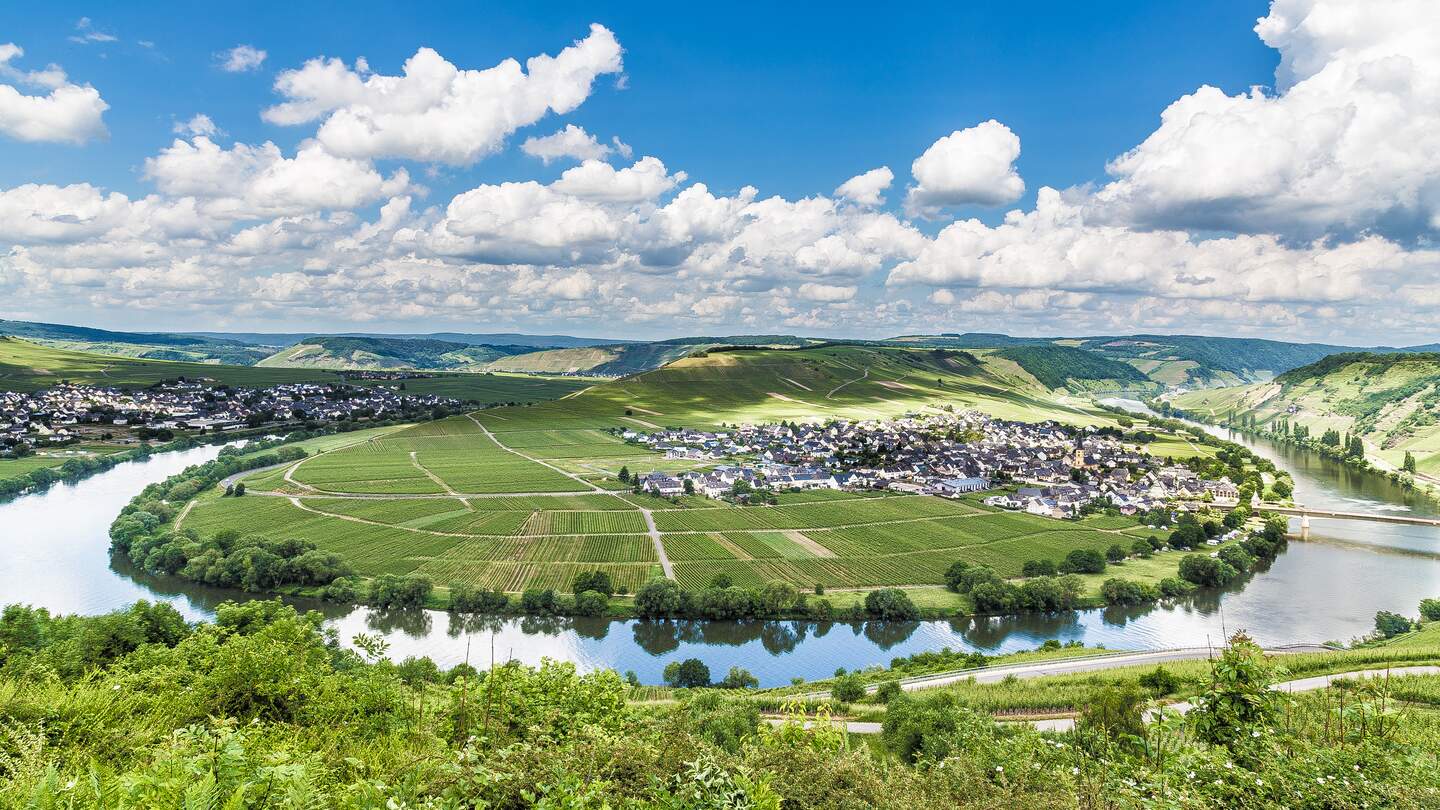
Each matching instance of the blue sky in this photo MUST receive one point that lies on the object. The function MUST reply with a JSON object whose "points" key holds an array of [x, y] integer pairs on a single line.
{"points": [[314, 198], [790, 100]]}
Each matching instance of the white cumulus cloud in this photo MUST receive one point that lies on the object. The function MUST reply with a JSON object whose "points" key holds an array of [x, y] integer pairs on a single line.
{"points": [[867, 188], [968, 166], [69, 113], [435, 111], [1346, 141], [571, 142]]}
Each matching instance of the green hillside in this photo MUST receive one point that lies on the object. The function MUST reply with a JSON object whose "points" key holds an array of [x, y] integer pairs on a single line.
{"points": [[382, 353], [1392, 401], [1189, 361], [26, 366], [151, 345], [623, 359], [768, 385], [1076, 369]]}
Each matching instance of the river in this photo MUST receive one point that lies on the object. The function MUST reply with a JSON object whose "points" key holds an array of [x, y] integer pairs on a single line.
{"points": [[54, 553]]}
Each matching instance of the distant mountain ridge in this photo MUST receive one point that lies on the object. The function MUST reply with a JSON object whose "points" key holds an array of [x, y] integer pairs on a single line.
{"points": [[1171, 361]]}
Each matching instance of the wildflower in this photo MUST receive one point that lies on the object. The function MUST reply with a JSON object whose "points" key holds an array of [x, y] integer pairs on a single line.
{"points": [[999, 769]]}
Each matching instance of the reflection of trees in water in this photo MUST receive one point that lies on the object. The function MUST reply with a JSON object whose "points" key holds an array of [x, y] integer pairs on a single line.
{"points": [[656, 637], [413, 622], [206, 598], [887, 634], [779, 638], [544, 625], [1121, 615], [591, 628], [989, 632], [461, 623]]}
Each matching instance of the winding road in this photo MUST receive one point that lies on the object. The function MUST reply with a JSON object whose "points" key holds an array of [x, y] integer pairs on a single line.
{"points": [[1061, 724]]}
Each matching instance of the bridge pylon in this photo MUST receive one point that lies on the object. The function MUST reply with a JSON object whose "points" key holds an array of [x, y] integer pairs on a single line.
{"points": [[1304, 525]]}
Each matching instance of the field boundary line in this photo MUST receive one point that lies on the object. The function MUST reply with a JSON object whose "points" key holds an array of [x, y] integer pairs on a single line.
{"points": [[415, 460], [572, 476]]}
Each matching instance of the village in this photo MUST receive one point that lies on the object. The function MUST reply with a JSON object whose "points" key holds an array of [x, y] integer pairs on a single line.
{"points": [[946, 455], [63, 413]]}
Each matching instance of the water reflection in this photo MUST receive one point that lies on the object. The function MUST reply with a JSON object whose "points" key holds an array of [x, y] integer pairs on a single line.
{"points": [[54, 553]]}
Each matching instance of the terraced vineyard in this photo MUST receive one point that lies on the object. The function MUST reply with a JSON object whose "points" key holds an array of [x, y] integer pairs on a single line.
{"points": [[521, 497], [447, 500]]}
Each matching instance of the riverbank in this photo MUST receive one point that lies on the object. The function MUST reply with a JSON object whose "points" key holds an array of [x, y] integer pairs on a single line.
{"points": [[1423, 486]]}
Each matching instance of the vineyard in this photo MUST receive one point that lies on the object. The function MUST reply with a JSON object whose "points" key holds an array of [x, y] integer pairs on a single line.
{"points": [[541, 501]]}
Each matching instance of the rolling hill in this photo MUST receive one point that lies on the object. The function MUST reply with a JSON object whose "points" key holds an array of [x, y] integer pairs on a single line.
{"points": [[813, 383], [28, 366], [382, 354], [1189, 361], [1076, 369], [151, 345], [1392, 401]]}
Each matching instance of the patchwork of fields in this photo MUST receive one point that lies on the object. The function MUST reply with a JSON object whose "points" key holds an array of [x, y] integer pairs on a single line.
{"points": [[521, 497], [446, 500]]}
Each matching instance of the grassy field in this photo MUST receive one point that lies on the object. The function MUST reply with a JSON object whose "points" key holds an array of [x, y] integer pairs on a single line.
{"points": [[535, 499], [26, 366], [445, 500], [54, 457]]}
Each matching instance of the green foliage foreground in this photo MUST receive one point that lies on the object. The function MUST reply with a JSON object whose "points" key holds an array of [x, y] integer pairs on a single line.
{"points": [[262, 708]]}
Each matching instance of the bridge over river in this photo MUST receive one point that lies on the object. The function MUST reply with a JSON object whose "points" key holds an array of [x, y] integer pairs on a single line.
{"points": [[1305, 513]]}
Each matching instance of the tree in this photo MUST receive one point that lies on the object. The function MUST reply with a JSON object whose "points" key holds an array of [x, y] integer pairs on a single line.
{"points": [[1116, 591], [538, 601], [955, 574], [391, 591], [1409, 464], [848, 689], [1430, 610], [1141, 548], [721, 580], [1282, 488], [692, 673], [1206, 571], [1389, 624], [659, 598], [597, 581], [1083, 561], [624, 475], [739, 678], [1160, 681], [689, 486], [995, 597], [240, 489], [890, 604], [1187, 536], [1039, 568], [591, 603], [1115, 553]]}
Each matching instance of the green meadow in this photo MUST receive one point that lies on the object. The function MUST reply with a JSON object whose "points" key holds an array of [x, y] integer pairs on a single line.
{"points": [[517, 497], [26, 366]]}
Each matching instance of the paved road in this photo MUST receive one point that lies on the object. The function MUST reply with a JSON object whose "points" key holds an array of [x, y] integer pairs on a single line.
{"points": [[230, 480], [1070, 666], [1067, 723]]}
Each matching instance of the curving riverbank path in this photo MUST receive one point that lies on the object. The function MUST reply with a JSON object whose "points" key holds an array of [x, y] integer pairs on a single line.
{"points": [[1069, 666], [1062, 724]]}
